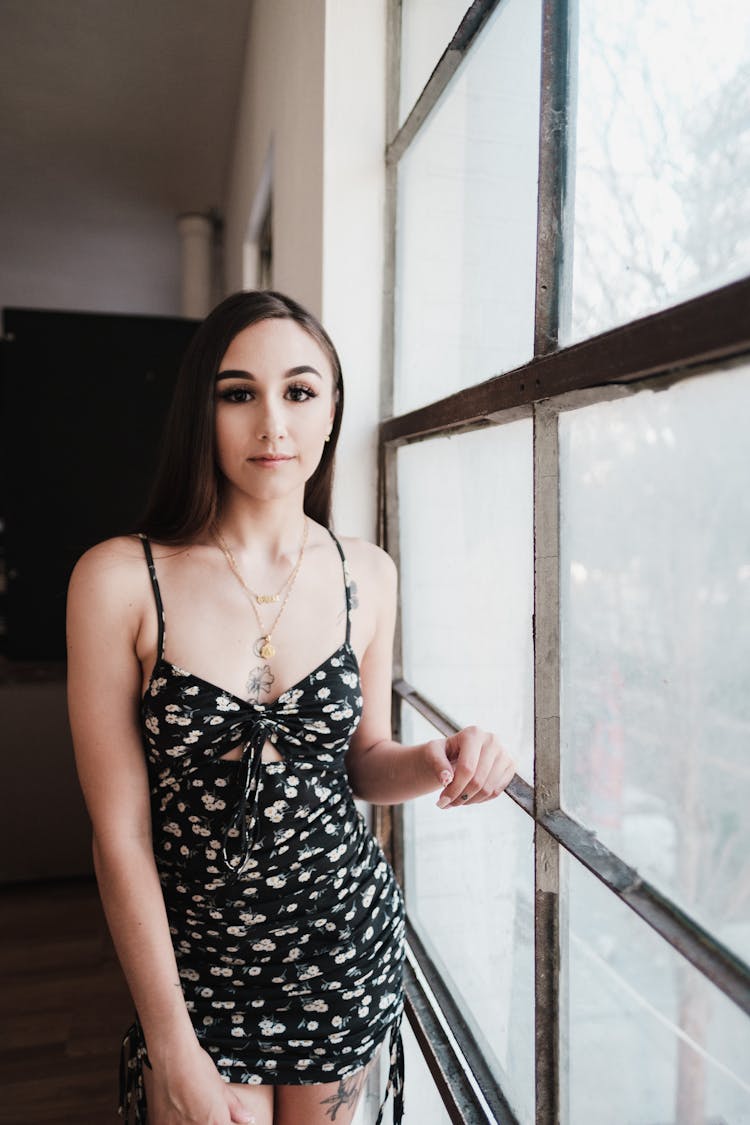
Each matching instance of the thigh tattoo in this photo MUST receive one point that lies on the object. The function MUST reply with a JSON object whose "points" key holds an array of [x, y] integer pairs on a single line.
{"points": [[345, 1096]]}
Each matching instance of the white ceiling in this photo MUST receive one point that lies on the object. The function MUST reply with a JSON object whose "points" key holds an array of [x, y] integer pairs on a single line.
{"points": [[117, 100]]}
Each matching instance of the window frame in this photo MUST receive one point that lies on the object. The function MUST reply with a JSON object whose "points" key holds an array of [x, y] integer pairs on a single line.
{"points": [[675, 343]]}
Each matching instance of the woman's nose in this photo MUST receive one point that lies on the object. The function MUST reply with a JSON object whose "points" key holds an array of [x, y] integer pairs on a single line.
{"points": [[271, 425]]}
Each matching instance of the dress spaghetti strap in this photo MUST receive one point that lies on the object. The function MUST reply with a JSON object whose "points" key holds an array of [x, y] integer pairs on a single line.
{"points": [[157, 592], [347, 585]]}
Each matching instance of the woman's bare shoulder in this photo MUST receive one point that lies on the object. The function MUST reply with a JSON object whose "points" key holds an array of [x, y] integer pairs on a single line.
{"points": [[122, 550], [113, 565], [369, 563]]}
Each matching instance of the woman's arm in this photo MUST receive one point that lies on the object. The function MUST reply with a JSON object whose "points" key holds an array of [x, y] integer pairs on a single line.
{"points": [[468, 767], [105, 601]]}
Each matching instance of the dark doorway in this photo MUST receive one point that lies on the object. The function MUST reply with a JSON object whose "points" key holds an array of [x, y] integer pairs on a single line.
{"points": [[84, 397]]}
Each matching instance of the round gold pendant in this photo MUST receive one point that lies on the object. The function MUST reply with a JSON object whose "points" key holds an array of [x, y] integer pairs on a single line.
{"points": [[267, 650]]}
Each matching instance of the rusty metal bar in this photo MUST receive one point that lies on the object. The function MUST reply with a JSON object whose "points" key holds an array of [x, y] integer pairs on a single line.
{"points": [[669, 344], [467, 31]]}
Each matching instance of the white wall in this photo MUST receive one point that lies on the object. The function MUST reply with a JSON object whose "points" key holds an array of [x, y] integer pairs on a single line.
{"points": [[281, 102], [314, 95], [353, 241], [115, 119], [104, 255]]}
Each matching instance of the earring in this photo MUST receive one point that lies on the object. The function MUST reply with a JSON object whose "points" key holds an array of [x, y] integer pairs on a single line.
{"points": [[328, 437]]}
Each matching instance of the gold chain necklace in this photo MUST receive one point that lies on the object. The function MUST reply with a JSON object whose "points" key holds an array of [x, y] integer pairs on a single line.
{"points": [[263, 646], [261, 599]]}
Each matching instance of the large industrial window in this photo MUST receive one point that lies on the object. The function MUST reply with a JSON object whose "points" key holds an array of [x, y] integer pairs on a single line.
{"points": [[565, 482]]}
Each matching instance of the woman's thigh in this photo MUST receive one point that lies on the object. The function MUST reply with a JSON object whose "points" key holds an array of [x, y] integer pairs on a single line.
{"points": [[258, 1100], [320, 1104]]}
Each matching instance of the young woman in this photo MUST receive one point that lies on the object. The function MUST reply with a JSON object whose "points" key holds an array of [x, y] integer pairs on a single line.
{"points": [[229, 693]]}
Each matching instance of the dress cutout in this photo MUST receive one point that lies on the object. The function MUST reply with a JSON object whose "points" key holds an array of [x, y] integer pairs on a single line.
{"points": [[286, 919]]}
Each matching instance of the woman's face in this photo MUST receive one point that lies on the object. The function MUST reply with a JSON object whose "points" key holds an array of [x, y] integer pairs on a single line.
{"points": [[274, 405]]}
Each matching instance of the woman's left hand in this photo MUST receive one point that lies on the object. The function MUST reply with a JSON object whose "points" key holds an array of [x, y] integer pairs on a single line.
{"points": [[472, 766]]}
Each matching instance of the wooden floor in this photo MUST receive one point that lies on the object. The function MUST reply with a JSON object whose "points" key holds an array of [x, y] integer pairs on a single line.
{"points": [[63, 1007]]}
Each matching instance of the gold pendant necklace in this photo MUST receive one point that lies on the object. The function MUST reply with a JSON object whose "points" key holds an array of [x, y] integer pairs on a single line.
{"points": [[263, 646]]}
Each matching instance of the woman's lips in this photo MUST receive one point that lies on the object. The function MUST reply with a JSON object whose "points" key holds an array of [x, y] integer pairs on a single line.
{"points": [[270, 461]]}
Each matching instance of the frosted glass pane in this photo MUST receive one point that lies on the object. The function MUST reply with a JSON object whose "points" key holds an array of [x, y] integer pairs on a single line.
{"points": [[466, 230], [662, 156], [655, 605], [469, 891], [648, 1039], [427, 27], [467, 578]]}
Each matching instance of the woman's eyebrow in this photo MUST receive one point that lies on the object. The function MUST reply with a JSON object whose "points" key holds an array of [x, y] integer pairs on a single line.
{"points": [[303, 369]]}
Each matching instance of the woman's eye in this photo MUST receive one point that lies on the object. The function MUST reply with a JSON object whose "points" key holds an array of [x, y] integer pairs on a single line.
{"points": [[236, 394], [300, 393]]}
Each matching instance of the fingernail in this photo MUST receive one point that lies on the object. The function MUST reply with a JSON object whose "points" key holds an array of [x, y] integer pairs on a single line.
{"points": [[446, 777], [443, 802]]}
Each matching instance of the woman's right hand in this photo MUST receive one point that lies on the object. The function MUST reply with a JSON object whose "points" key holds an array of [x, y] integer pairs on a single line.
{"points": [[188, 1090]]}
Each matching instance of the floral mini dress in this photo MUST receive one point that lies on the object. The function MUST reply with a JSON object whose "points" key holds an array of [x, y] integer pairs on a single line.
{"points": [[286, 918]]}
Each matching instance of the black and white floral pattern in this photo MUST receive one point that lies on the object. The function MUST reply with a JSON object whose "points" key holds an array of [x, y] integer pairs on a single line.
{"points": [[286, 919]]}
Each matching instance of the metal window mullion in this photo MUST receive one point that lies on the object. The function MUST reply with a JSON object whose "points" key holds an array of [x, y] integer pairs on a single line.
{"points": [[552, 227], [553, 106], [388, 819], [546, 764], [394, 814], [393, 93]]}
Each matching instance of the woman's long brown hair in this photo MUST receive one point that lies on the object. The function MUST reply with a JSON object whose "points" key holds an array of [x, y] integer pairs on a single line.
{"points": [[185, 498]]}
